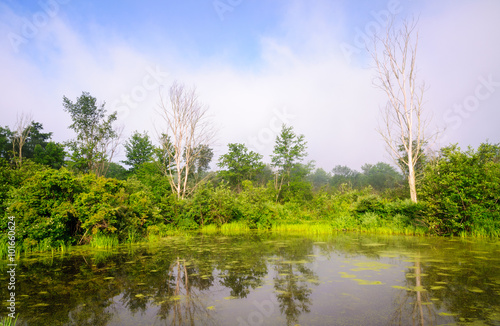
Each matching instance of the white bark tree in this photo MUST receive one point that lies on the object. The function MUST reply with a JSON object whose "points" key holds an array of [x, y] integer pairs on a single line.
{"points": [[22, 130], [188, 131], [404, 124]]}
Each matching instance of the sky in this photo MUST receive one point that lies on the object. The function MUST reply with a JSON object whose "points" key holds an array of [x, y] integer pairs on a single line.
{"points": [[256, 63]]}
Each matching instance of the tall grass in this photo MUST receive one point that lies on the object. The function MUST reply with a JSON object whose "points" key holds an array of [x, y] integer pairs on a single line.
{"points": [[304, 228], [42, 246], [104, 241], [234, 227], [8, 321], [209, 229]]}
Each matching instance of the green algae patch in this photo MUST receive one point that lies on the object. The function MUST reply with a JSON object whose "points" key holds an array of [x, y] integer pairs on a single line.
{"points": [[475, 290], [370, 266], [346, 275], [448, 314], [366, 282]]}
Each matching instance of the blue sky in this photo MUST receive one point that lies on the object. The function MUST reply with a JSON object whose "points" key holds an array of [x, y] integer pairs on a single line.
{"points": [[256, 64]]}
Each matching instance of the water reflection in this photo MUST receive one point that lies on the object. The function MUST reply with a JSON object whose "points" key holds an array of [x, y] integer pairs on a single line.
{"points": [[264, 279]]}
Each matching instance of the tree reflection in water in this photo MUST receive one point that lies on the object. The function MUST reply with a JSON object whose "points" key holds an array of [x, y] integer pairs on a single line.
{"points": [[414, 302]]}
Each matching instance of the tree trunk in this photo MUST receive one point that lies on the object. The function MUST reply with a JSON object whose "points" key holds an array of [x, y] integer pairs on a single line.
{"points": [[412, 184]]}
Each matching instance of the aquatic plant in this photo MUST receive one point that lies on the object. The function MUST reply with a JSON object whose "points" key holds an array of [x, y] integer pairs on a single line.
{"points": [[8, 321], [104, 241]]}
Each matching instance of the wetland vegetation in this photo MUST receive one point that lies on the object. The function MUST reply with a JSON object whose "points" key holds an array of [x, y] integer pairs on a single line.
{"points": [[98, 244]]}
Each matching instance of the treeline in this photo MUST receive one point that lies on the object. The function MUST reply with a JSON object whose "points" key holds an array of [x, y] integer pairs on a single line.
{"points": [[72, 193]]}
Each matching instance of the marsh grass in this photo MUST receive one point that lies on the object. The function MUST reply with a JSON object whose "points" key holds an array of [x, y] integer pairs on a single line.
{"points": [[209, 229], [304, 228], [234, 228], [8, 321], [104, 241]]}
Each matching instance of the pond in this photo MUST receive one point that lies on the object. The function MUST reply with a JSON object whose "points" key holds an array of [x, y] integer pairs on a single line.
{"points": [[263, 279]]}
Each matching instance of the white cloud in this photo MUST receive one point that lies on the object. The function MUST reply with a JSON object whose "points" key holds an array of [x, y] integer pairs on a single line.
{"points": [[301, 69]]}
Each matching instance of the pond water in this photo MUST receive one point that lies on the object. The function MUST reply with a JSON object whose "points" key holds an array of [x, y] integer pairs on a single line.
{"points": [[263, 279]]}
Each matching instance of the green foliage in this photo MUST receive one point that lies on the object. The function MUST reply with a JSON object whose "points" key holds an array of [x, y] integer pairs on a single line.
{"points": [[289, 150], [6, 143], [381, 176], [342, 174], [212, 205], [103, 241], [8, 321], [94, 134], [42, 207], [319, 179], [462, 190], [35, 138], [116, 171], [138, 150], [52, 155], [239, 164], [202, 160]]}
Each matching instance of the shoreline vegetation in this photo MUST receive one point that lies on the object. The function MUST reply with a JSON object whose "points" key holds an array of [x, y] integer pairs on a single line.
{"points": [[51, 199], [54, 209]]}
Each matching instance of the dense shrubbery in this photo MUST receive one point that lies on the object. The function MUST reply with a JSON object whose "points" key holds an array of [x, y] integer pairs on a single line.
{"points": [[462, 190], [460, 194]]}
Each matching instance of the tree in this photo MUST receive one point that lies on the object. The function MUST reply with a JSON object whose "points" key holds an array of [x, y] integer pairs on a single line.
{"points": [[22, 130], [239, 164], [96, 139], [462, 191], [342, 174], [289, 151], [188, 131], [419, 165], [139, 150], [381, 176], [35, 137], [6, 142], [116, 171], [319, 178], [201, 163], [52, 154], [404, 124]]}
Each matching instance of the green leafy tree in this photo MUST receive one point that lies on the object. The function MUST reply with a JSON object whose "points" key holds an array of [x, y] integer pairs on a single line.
{"points": [[342, 174], [462, 190], [319, 178], [96, 139], [381, 176], [202, 161], [52, 154], [239, 164], [289, 151], [35, 137], [116, 171], [139, 150], [6, 142]]}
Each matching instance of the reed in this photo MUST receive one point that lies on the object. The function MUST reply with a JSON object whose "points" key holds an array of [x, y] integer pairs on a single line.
{"points": [[234, 227], [209, 229], [8, 321], [304, 228], [104, 241]]}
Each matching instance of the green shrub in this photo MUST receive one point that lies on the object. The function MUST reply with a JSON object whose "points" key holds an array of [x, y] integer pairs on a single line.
{"points": [[462, 190], [42, 207]]}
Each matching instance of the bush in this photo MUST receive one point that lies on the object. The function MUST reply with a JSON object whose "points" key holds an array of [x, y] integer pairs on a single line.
{"points": [[462, 190], [43, 208]]}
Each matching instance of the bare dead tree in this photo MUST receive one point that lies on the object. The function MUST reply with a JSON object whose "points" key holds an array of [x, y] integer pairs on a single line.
{"points": [[188, 131], [22, 130], [110, 147], [404, 124]]}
